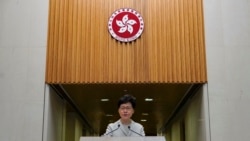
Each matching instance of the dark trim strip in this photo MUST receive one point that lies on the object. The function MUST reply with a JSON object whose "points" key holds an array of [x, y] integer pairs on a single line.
{"points": [[189, 94], [63, 94]]}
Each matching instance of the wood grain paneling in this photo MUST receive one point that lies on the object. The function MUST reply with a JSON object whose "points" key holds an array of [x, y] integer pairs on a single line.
{"points": [[170, 50]]}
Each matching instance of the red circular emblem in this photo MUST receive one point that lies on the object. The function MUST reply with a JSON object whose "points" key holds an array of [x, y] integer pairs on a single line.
{"points": [[125, 25]]}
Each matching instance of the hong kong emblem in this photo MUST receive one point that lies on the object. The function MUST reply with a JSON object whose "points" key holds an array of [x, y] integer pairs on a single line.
{"points": [[125, 25]]}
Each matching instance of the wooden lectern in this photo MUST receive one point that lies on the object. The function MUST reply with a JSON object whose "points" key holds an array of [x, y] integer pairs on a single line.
{"points": [[146, 138]]}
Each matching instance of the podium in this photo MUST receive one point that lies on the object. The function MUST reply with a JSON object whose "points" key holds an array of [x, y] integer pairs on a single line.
{"points": [[106, 138]]}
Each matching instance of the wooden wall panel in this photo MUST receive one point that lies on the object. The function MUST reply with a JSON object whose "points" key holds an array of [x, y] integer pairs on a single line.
{"points": [[170, 50]]}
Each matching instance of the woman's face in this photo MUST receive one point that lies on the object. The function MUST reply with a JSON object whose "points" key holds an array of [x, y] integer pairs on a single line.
{"points": [[126, 111]]}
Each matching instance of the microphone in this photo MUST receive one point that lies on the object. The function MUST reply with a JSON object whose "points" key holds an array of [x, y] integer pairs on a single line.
{"points": [[134, 131], [113, 130]]}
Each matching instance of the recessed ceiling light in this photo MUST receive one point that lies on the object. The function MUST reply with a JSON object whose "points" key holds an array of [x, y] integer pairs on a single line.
{"points": [[105, 99], [144, 114], [143, 120], [149, 99]]}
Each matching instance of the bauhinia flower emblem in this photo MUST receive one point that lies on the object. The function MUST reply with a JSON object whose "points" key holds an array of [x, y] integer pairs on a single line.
{"points": [[126, 24]]}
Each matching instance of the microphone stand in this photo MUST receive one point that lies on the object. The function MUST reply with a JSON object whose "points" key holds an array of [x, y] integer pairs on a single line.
{"points": [[112, 130], [134, 131]]}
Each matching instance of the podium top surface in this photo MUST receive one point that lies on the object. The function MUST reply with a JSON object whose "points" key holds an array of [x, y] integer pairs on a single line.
{"points": [[146, 138]]}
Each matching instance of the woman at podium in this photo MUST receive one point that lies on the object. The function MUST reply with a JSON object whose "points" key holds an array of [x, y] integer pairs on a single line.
{"points": [[125, 126]]}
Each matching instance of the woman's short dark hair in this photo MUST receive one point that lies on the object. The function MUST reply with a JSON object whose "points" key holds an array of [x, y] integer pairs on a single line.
{"points": [[127, 99]]}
